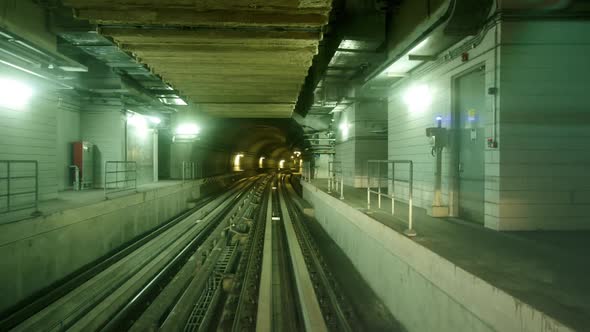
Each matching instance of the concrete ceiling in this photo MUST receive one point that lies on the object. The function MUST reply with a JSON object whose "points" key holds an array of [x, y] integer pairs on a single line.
{"points": [[234, 58]]}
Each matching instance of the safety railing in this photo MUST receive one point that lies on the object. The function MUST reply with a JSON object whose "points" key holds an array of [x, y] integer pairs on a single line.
{"points": [[119, 176], [336, 178], [19, 185], [188, 170], [385, 175], [307, 172]]}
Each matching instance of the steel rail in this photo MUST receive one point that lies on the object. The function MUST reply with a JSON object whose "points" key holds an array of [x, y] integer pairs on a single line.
{"points": [[152, 288], [313, 318], [75, 314], [251, 269], [345, 319], [56, 291]]}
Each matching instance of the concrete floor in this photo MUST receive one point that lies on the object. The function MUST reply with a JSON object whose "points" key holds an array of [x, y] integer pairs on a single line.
{"points": [[73, 199], [547, 270]]}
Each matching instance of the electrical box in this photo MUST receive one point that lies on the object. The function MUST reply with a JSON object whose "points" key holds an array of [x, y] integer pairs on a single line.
{"points": [[83, 160], [438, 136]]}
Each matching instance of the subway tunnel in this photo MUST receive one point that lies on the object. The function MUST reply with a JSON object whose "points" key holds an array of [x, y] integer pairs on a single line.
{"points": [[294, 165]]}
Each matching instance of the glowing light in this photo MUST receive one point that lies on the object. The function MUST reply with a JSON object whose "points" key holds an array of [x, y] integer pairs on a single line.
{"points": [[418, 98], [188, 129], [261, 162], [344, 129], [139, 122], [419, 47], [282, 164], [439, 118], [237, 160], [14, 94], [155, 120]]}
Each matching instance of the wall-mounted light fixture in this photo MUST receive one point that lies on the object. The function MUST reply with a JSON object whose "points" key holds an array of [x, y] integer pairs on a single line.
{"points": [[139, 122], [154, 120], [14, 94], [344, 129], [186, 132], [418, 98]]}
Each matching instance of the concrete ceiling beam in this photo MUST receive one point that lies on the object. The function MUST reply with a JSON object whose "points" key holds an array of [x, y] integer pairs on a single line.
{"points": [[242, 49], [227, 71], [226, 61], [236, 79], [213, 18], [318, 5], [132, 35], [220, 97]]}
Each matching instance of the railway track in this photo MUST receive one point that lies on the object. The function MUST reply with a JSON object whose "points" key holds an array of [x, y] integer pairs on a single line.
{"points": [[243, 261]]}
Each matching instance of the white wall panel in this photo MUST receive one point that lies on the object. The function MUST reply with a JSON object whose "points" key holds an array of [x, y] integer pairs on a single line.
{"points": [[104, 126], [406, 126], [68, 131], [30, 134], [545, 125]]}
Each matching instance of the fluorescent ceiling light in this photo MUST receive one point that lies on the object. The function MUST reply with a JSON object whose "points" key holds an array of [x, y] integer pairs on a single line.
{"points": [[173, 101], [74, 69]]}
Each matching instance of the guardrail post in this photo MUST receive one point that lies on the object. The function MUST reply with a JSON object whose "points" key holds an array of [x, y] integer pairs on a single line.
{"points": [[342, 185], [379, 185], [368, 185], [410, 231], [393, 188], [36, 187], [8, 186]]}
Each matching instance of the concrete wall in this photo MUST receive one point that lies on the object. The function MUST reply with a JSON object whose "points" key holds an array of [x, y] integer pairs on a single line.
{"points": [[68, 131], [361, 137], [421, 289], [104, 126], [544, 127], [38, 252], [208, 160], [140, 148]]}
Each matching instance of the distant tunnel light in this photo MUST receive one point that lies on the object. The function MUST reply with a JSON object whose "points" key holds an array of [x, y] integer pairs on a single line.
{"points": [[261, 162], [237, 159], [14, 94], [282, 164]]}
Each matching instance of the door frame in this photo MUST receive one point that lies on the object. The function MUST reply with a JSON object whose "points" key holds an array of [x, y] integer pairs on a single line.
{"points": [[453, 149]]}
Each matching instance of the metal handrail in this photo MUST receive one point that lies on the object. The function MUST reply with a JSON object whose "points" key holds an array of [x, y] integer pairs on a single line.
{"points": [[410, 231], [335, 182], [10, 178], [125, 174], [188, 170]]}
